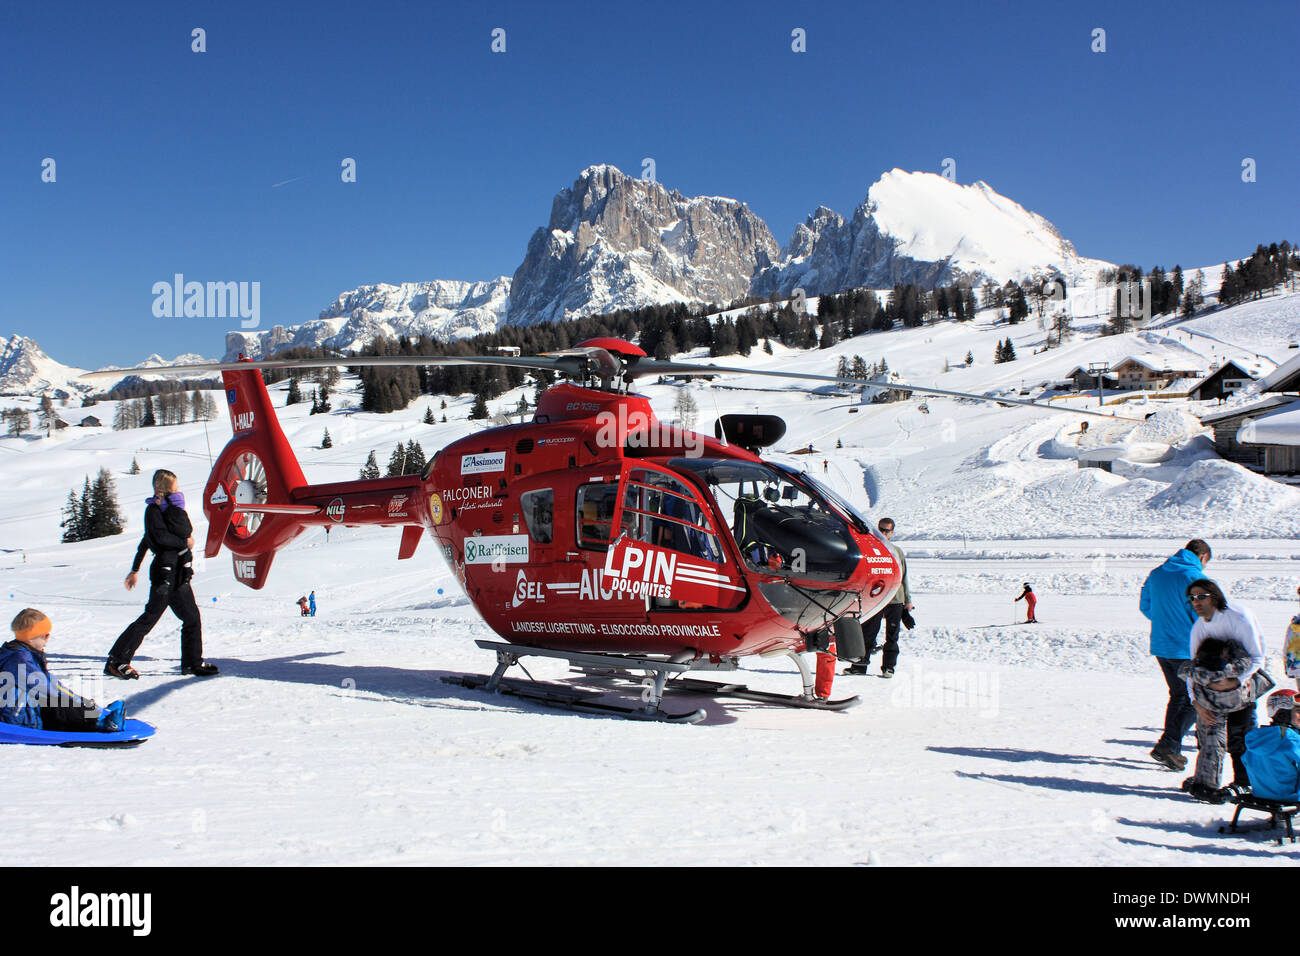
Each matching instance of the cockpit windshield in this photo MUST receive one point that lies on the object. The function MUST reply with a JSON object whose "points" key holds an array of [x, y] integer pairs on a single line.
{"points": [[781, 524], [864, 523]]}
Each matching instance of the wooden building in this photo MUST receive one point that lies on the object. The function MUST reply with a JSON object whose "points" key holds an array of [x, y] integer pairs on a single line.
{"points": [[1222, 382]]}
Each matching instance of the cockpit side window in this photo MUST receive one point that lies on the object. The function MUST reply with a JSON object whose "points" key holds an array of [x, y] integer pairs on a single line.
{"points": [[538, 507], [595, 514], [660, 510]]}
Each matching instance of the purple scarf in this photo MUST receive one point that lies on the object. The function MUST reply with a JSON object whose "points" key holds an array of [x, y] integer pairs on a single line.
{"points": [[175, 499]]}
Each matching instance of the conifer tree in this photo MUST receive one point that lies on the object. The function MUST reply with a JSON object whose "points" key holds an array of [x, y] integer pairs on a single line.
{"points": [[73, 524], [147, 419], [295, 393], [371, 467], [397, 461], [480, 409], [105, 517], [326, 441], [428, 415], [134, 469], [415, 460]]}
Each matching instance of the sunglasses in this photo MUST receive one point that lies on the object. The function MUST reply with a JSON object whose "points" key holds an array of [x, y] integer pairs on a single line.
{"points": [[1198, 597]]}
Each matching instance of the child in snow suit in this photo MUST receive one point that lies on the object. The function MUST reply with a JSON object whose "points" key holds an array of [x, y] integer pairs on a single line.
{"points": [[31, 697], [1273, 752], [1291, 648], [1222, 681], [302, 606], [1030, 603]]}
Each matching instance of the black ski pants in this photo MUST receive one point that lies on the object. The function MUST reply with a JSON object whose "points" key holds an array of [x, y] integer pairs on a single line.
{"points": [[1179, 712], [892, 615], [180, 598]]}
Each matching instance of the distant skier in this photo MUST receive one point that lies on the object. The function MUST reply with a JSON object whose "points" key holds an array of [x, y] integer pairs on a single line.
{"points": [[1030, 603], [1083, 428], [825, 467], [311, 602]]}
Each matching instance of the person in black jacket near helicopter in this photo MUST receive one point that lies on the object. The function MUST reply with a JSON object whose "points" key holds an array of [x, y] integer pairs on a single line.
{"points": [[169, 534]]}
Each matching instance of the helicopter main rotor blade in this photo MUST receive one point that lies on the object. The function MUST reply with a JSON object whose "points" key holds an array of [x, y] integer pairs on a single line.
{"points": [[570, 363], [657, 367]]}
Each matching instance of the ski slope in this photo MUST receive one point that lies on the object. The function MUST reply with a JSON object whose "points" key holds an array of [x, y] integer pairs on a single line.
{"points": [[331, 739]]}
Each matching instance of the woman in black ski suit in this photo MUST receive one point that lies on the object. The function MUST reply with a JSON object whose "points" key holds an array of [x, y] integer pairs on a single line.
{"points": [[170, 536]]}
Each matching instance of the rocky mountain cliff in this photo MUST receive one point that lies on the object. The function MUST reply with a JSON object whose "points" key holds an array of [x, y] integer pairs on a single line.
{"points": [[614, 241]]}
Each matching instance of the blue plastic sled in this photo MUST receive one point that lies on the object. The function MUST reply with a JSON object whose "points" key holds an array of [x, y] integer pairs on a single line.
{"points": [[134, 732]]}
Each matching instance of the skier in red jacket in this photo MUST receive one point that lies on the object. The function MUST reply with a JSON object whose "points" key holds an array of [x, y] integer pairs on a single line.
{"points": [[1030, 603]]}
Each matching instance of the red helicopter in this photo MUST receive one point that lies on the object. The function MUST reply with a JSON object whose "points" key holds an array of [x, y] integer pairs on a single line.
{"points": [[594, 533]]}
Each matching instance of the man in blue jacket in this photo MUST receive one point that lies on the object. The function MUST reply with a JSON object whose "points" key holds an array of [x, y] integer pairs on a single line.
{"points": [[1164, 602]]}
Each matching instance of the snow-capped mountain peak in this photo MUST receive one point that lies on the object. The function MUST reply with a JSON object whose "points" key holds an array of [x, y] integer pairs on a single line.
{"points": [[26, 370], [925, 229]]}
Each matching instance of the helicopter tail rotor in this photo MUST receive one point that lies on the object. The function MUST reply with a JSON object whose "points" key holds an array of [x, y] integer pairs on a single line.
{"points": [[249, 495]]}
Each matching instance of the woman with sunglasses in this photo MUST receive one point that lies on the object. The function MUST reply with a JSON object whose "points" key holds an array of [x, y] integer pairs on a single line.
{"points": [[1228, 621]]}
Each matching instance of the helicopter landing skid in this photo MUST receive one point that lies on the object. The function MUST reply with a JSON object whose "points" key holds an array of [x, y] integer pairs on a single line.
{"points": [[509, 654], [740, 691]]}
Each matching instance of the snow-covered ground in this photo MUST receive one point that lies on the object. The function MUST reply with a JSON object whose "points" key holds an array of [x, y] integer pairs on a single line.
{"points": [[332, 740]]}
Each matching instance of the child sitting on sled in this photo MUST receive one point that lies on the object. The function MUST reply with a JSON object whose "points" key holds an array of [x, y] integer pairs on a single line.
{"points": [[31, 697], [1214, 679], [1273, 752]]}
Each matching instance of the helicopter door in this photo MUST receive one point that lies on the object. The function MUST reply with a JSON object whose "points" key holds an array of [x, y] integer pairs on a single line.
{"points": [[666, 547]]}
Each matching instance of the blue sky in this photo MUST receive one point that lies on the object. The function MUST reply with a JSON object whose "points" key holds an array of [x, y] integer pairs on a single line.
{"points": [[168, 160]]}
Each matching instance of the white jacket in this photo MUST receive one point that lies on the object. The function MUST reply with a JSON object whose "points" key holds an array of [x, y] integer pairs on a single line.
{"points": [[1236, 623]]}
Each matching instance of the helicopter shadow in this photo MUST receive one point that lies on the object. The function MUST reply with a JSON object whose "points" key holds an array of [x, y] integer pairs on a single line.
{"points": [[1250, 833], [419, 688], [1039, 756], [1074, 785], [1216, 849]]}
